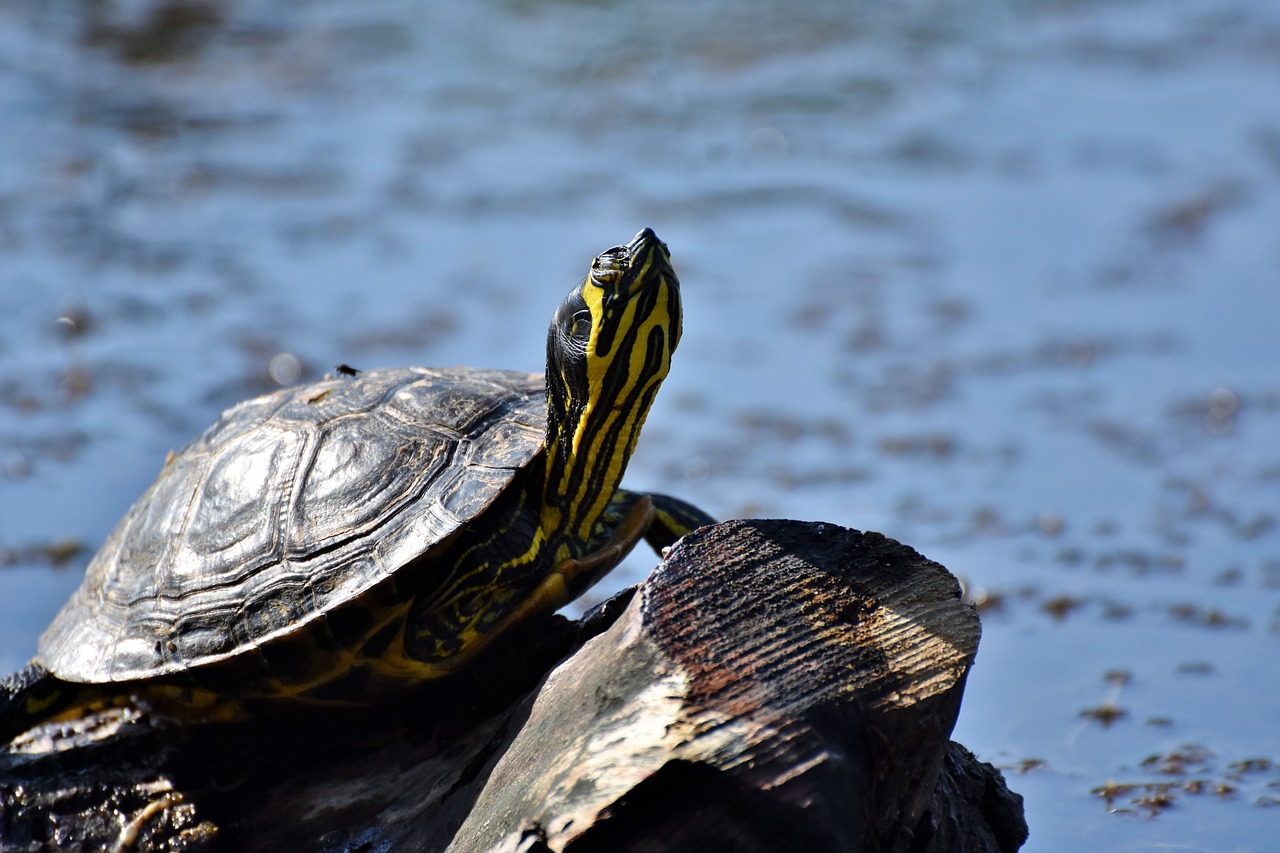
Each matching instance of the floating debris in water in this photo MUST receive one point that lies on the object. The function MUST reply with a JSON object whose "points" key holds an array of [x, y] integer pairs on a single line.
{"points": [[57, 554]]}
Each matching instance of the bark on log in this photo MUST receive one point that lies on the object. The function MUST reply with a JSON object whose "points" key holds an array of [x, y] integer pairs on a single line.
{"points": [[772, 686]]}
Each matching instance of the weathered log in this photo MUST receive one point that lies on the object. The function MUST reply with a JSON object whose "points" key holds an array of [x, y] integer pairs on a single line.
{"points": [[772, 686]]}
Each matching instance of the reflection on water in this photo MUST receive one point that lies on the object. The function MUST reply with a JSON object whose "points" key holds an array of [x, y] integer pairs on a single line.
{"points": [[999, 281]]}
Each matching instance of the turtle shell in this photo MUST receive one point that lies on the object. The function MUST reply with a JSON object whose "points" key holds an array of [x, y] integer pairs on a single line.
{"points": [[290, 505]]}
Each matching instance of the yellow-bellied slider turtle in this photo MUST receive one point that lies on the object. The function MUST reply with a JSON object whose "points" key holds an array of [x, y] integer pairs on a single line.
{"points": [[327, 543]]}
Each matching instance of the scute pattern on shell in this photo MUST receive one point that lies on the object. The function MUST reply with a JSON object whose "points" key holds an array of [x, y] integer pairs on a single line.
{"points": [[291, 504]]}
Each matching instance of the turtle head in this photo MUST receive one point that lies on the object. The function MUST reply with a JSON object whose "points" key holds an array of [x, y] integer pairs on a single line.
{"points": [[608, 350]]}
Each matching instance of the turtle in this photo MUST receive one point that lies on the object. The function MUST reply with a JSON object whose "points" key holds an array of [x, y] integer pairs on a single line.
{"points": [[335, 542]]}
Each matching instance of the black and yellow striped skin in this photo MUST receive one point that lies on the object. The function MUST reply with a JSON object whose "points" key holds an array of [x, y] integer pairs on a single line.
{"points": [[561, 523]]}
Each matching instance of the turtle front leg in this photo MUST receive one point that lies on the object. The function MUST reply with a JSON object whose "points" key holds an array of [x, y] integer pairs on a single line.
{"points": [[571, 577], [672, 517]]}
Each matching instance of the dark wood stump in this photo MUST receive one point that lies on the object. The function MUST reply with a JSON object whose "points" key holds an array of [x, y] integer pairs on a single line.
{"points": [[772, 686]]}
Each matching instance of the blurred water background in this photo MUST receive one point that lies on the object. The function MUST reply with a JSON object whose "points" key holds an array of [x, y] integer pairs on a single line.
{"points": [[999, 279]]}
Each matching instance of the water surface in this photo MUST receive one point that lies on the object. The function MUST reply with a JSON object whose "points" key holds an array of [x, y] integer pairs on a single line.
{"points": [[1000, 281]]}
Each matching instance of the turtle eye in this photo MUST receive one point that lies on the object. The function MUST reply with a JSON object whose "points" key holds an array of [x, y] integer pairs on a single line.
{"points": [[580, 326]]}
